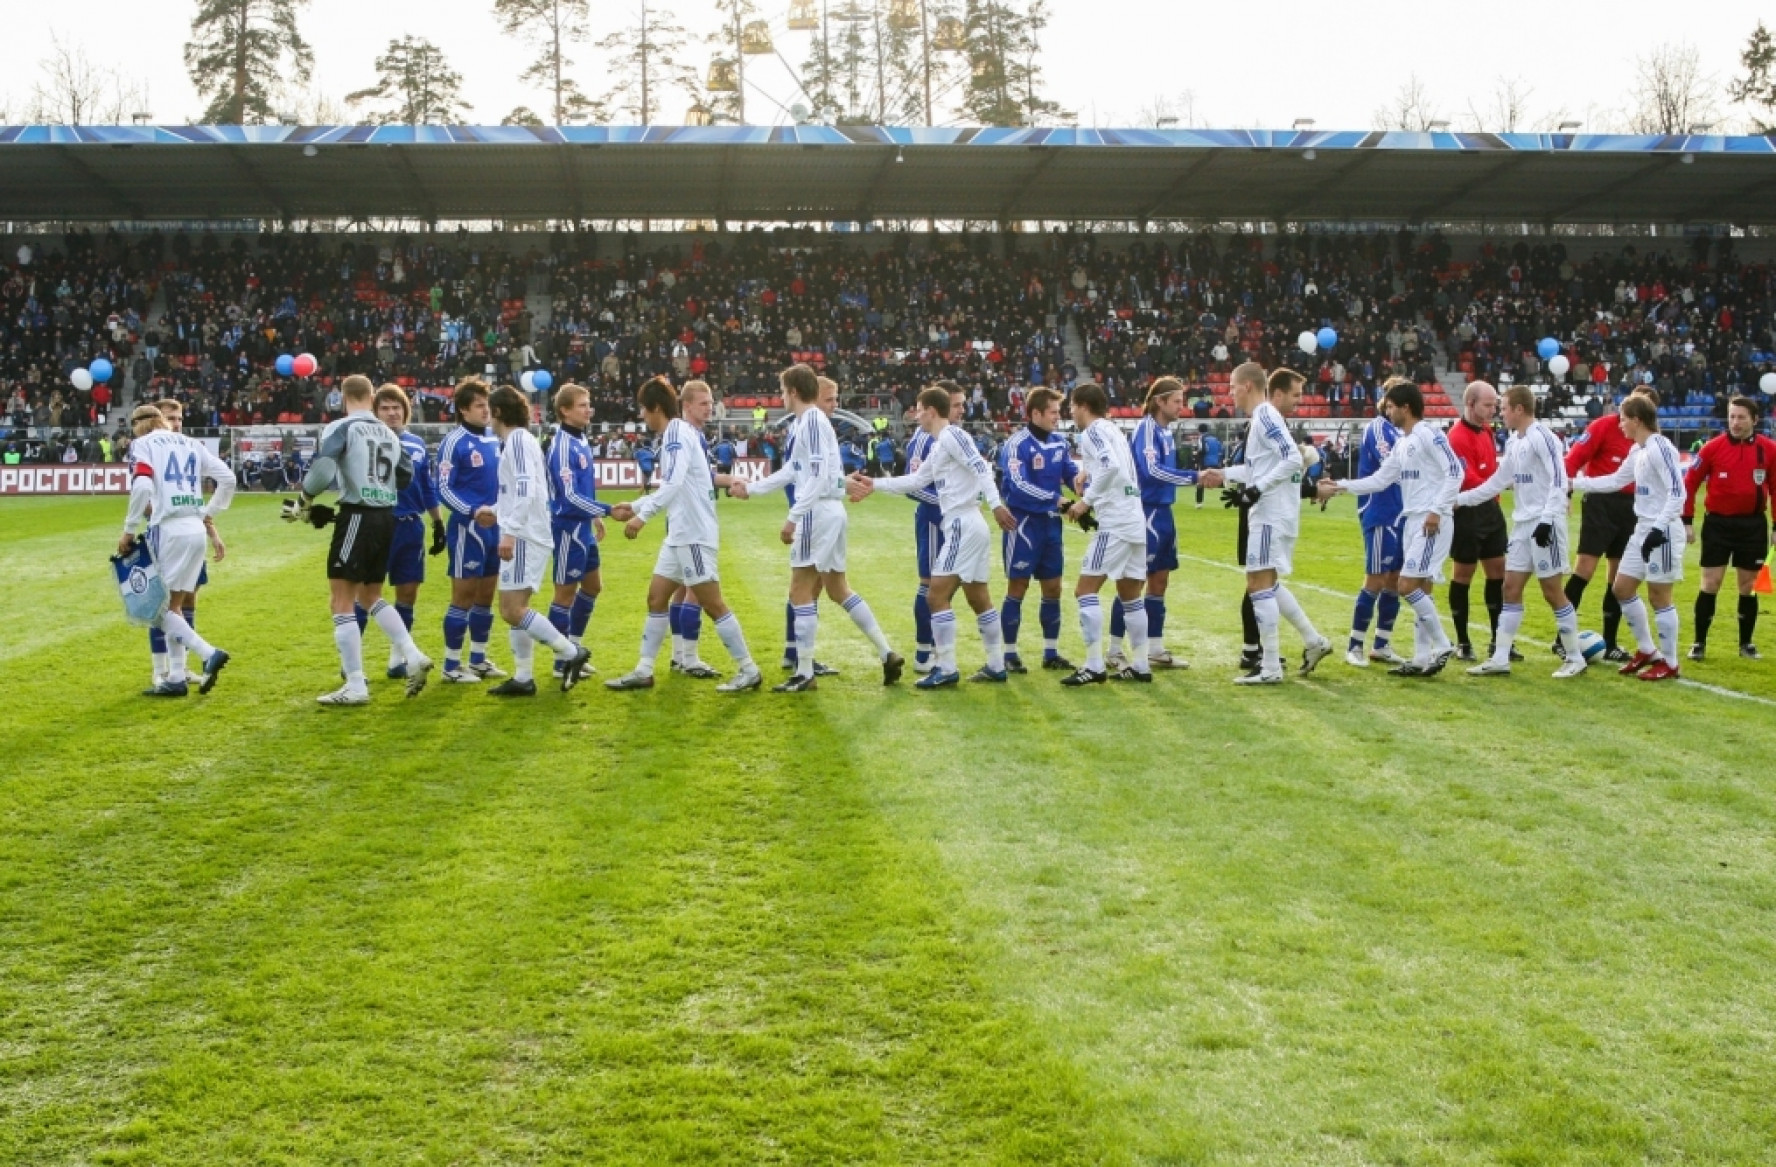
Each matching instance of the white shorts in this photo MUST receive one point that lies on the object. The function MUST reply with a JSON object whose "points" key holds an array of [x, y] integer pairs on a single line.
{"points": [[179, 554], [690, 565], [967, 548], [1665, 567], [1523, 555], [1115, 558], [1270, 548], [820, 539], [526, 569], [1424, 555]]}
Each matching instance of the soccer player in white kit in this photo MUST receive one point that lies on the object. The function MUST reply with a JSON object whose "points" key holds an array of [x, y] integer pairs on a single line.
{"points": [[816, 530], [1656, 549], [1271, 481], [1109, 488], [174, 412], [1429, 475], [166, 491], [963, 481], [688, 555], [526, 539], [1534, 467]]}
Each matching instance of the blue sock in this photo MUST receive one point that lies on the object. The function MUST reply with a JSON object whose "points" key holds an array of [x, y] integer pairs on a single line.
{"points": [[1360, 619], [675, 620], [1051, 625], [480, 628], [789, 637], [1011, 615], [922, 622], [1117, 628], [580, 615], [693, 626], [405, 612], [362, 617], [1386, 608], [1156, 618], [157, 641], [561, 618], [456, 629]]}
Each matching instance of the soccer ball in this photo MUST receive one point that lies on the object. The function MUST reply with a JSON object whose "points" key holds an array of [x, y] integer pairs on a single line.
{"points": [[1591, 644]]}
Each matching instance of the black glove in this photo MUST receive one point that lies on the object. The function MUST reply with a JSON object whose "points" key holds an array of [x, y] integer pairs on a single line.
{"points": [[320, 514], [437, 547], [1544, 534], [1655, 539], [1249, 497], [1231, 496], [1088, 521]]}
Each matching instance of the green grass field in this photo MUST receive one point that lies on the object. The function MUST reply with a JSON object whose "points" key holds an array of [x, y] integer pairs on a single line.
{"points": [[1350, 920]]}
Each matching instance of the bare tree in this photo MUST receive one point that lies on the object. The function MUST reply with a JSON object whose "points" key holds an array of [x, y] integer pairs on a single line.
{"points": [[73, 91], [1173, 109], [1505, 110], [1410, 109], [1671, 93]]}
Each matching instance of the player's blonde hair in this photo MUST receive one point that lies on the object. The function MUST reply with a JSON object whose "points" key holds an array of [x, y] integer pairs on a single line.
{"points": [[1522, 396], [693, 388], [567, 395], [357, 388], [146, 419], [1250, 373], [1162, 387], [168, 405]]}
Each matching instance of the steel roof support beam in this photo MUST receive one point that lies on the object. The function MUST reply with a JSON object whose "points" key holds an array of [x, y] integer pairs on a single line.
{"points": [[1046, 156], [1611, 187], [257, 180], [125, 207], [1419, 214], [570, 180], [1177, 185], [408, 177], [867, 207], [1340, 178]]}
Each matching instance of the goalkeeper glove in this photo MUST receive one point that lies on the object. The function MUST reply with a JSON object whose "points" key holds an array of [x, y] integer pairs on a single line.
{"points": [[295, 510], [1249, 497], [1088, 521], [320, 515], [1655, 539], [1230, 497], [1544, 534], [437, 547]]}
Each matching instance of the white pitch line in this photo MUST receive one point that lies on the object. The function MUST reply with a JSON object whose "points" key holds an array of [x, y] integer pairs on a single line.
{"points": [[1717, 690]]}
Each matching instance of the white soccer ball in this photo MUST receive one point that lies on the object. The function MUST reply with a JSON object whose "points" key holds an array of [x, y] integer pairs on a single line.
{"points": [[1591, 644]]}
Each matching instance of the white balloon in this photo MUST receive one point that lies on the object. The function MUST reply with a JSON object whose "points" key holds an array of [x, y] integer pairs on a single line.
{"points": [[1309, 343], [1559, 365], [525, 380], [1767, 383], [82, 379]]}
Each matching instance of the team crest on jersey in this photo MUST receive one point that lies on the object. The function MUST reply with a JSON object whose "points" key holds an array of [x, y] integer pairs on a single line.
{"points": [[914, 465], [1036, 462], [474, 459], [1757, 476], [582, 460]]}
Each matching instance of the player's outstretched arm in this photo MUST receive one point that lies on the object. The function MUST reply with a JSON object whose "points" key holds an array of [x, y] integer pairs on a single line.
{"points": [[1603, 484]]}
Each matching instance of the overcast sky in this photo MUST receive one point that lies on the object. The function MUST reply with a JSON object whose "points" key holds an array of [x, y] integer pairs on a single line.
{"points": [[1246, 64]]}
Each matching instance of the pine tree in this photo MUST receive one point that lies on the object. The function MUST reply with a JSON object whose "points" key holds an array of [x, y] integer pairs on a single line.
{"points": [[1758, 87], [647, 58], [241, 53], [1004, 58], [552, 26], [415, 85]]}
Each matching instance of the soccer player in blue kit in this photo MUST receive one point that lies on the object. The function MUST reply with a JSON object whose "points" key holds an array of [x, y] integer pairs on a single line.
{"points": [[418, 499], [1156, 462], [1035, 464], [576, 517], [1379, 514], [468, 485]]}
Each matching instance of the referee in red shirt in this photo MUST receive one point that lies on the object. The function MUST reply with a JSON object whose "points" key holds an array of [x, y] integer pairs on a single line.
{"points": [[1481, 534], [1739, 468], [1607, 519]]}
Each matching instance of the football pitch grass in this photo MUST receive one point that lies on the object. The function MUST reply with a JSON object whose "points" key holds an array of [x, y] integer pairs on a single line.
{"points": [[1352, 919]]}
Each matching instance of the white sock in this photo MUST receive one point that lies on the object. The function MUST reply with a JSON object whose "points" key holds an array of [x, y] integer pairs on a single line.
{"points": [[180, 633], [653, 634], [807, 625], [993, 637], [522, 649], [728, 628], [1091, 626], [678, 649], [1510, 620], [1134, 620], [389, 620], [350, 643], [1270, 622], [544, 633], [943, 637], [160, 664], [1567, 620], [1634, 611], [1426, 626], [1289, 608], [866, 623], [1665, 620]]}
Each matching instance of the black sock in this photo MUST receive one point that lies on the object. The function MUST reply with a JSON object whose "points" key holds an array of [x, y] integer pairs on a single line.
{"points": [[1748, 613], [1495, 603], [1612, 618], [1248, 622], [1458, 611], [1704, 615], [1575, 590]]}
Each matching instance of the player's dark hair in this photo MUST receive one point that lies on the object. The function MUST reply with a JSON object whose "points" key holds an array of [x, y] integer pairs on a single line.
{"points": [[1091, 395], [1284, 379], [509, 406], [1040, 398], [397, 394], [802, 382], [937, 399], [468, 391], [1641, 410], [657, 394], [1407, 396], [1747, 404], [1162, 387], [950, 387]]}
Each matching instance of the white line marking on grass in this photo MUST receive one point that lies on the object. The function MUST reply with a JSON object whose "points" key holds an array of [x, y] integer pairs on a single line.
{"points": [[1725, 692]]}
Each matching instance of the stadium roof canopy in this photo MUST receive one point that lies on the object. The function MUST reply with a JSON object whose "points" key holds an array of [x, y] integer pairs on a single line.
{"points": [[859, 173]]}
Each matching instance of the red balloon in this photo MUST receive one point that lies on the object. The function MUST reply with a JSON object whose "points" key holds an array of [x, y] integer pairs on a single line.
{"points": [[305, 365]]}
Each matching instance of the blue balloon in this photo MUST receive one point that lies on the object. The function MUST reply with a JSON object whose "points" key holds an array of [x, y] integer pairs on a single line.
{"points": [[101, 370], [542, 380], [1327, 338], [286, 364], [1547, 347]]}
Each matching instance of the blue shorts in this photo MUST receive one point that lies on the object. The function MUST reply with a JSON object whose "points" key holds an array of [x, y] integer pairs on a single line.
{"points": [[1033, 551], [474, 551], [1162, 540], [203, 574], [576, 551], [927, 536], [1382, 553], [407, 551]]}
